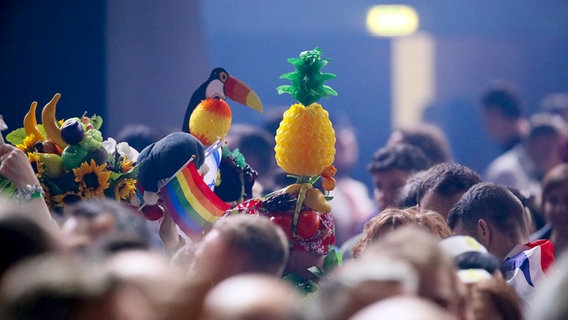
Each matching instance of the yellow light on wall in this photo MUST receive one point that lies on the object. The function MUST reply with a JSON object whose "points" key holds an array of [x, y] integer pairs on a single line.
{"points": [[392, 20]]}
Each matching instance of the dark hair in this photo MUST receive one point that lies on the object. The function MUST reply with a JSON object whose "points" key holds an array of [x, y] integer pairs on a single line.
{"points": [[530, 203], [408, 194], [502, 97], [126, 221], [21, 238], [490, 202], [447, 178], [477, 260], [430, 139], [253, 142], [544, 124], [400, 156]]}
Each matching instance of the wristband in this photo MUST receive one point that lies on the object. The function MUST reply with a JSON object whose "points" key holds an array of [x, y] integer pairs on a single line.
{"points": [[29, 192]]}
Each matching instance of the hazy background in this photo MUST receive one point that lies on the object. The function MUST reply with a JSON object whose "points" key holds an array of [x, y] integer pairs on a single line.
{"points": [[139, 61]]}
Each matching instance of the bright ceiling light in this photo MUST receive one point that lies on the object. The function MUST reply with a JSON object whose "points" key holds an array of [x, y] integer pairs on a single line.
{"points": [[392, 20]]}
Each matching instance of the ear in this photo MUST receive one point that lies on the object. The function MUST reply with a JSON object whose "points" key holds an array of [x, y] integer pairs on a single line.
{"points": [[484, 232]]}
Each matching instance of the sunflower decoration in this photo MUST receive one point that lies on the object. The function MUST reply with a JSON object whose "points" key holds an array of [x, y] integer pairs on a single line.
{"points": [[92, 179], [124, 189], [28, 144], [71, 160], [67, 198], [37, 165]]}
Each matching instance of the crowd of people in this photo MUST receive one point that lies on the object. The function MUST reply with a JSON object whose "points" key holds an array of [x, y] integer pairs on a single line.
{"points": [[433, 240]]}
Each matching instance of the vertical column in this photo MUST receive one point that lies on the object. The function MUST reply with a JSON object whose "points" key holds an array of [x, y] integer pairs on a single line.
{"points": [[413, 77]]}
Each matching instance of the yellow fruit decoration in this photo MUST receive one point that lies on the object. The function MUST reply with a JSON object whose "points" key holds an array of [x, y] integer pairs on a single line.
{"points": [[305, 139], [210, 120], [30, 123], [50, 124]]}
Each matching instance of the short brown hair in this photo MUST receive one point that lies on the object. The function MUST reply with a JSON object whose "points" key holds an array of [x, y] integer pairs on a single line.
{"points": [[256, 236]]}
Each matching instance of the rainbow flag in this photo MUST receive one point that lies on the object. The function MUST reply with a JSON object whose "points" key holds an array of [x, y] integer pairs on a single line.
{"points": [[190, 202]]}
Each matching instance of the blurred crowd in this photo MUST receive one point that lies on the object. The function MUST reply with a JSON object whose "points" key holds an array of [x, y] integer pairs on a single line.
{"points": [[433, 240]]}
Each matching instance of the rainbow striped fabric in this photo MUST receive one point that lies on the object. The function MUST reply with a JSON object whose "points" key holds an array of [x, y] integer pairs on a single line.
{"points": [[190, 202]]}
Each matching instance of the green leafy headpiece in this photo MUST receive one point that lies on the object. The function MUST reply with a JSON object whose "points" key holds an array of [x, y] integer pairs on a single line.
{"points": [[307, 81]]}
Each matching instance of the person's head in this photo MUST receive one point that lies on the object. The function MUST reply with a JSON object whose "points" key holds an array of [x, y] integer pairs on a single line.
{"points": [[91, 220], [555, 197], [391, 219], [543, 141], [403, 307], [256, 144], [359, 283], [428, 137], [432, 222], [443, 185], [390, 167], [240, 244], [531, 203], [503, 113], [555, 103], [21, 238], [59, 287], [252, 297], [492, 215], [380, 225], [438, 279], [347, 149], [161, 284], [140, 136], [471, 258], [493, 298], [408, 194]]}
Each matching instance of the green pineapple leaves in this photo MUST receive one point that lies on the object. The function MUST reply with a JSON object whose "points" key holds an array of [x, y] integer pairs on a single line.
{"points": [[308, 81]]}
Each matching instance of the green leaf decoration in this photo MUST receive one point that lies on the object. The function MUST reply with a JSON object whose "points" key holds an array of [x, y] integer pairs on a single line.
{"points": [[305, 286], [332, 260], [239, 158], [307, 82], [7, 188], [16, 137], [96, 121]]}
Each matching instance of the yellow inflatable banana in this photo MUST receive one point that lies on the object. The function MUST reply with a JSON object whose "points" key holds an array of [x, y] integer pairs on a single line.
{"points": [[30, 123], [50, 124], [315, 200]]}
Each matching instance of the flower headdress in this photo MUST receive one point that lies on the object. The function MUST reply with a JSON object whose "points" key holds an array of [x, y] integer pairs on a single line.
{"points": [[71, 160]]}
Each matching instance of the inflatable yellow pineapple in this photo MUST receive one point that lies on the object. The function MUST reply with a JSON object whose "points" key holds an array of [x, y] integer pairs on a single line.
{"points": [[305, 140]]}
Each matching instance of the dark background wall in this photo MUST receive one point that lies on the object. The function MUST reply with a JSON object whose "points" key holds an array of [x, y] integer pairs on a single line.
{"points": [[48, 47], [139, 61]]}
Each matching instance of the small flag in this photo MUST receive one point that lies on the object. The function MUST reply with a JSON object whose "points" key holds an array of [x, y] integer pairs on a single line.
{"points": [[190, 202], [526, 267], [212, 160]]}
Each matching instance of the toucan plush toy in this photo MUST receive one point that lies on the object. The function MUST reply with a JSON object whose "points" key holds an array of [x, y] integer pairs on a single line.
{"points": [[208, 117]]}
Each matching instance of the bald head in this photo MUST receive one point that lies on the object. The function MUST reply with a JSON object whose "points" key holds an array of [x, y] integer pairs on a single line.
{"points": [[252, 296], [403, 308]]}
